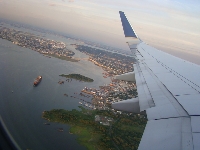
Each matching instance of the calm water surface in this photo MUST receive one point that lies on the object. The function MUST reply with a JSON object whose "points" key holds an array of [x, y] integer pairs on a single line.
{"points": [[22, 109]]}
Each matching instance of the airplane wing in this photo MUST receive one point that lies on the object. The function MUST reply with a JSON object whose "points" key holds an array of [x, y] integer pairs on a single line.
{"points": [[168, 90]]}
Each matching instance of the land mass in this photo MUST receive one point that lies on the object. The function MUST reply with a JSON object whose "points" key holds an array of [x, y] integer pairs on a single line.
{"points": [[44, 46], [98, 129], [77, 77]]}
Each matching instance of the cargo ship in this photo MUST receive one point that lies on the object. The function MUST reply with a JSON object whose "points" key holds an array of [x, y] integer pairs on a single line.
{"points": [[37, 81]]}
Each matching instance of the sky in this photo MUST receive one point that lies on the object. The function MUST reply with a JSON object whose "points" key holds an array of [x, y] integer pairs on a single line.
{"points": [[169, 25]]}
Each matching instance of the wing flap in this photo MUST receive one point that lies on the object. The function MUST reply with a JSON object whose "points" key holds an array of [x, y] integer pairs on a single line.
{"points": [[145, 99], [195, 122], [196, 137], [191, 105], [167, 134]]}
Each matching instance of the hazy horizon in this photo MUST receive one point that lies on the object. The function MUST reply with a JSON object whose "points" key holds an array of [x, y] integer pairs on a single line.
{"points": [[171, 26]]}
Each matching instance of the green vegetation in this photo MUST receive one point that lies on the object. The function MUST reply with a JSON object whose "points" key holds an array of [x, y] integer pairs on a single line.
{"points": [[67, 58], [77, 77], [124, 132]]}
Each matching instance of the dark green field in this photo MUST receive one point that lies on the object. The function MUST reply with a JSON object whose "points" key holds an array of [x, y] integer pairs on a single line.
{"points": [[125, 131], [67, 58], [77, 77]]}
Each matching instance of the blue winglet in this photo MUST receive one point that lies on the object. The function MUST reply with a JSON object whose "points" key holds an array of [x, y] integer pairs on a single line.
{"points": [[128, 31]]}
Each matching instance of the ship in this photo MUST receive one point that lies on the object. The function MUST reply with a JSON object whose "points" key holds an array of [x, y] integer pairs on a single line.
{"points": [[37, 81]]}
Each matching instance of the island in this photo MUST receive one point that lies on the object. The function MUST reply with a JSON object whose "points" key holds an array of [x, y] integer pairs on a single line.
{"points": [[77, 77], [97, 129], [62, 57]]}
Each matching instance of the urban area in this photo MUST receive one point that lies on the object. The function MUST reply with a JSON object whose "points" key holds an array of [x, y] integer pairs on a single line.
{"points": [[36, 43]]}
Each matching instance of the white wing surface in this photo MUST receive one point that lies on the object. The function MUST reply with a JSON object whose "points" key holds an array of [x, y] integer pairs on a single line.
{"points": [[169, 91]]}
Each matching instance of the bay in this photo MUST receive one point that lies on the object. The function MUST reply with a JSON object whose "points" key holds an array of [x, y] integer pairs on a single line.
{"points": [[22, 109]]}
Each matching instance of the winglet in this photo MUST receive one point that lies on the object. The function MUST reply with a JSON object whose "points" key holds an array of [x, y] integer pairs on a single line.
{"points": [[128, 31], [131, 36]]}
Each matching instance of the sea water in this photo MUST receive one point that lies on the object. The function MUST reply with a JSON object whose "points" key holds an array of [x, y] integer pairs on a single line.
{"points": [[21, 104]]}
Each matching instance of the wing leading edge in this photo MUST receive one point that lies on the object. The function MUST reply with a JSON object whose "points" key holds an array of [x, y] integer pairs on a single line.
{"points": [[168, 90]]}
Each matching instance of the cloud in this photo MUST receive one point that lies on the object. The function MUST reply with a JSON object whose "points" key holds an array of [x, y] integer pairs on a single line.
{"points": [[52, 4]]}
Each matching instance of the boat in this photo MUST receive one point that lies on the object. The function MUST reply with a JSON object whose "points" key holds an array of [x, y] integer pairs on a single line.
{"points": [[60, 129], [37, 81]]}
